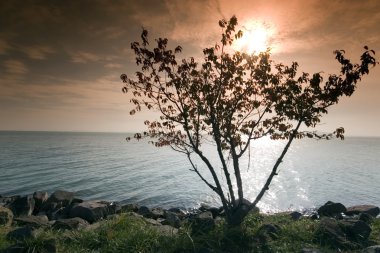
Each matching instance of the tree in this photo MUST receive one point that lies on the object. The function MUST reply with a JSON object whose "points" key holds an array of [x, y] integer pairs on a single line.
{"points": [[232, 99]]}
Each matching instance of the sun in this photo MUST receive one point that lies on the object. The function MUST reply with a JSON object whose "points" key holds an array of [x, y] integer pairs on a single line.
{"points": [[256, 37]]}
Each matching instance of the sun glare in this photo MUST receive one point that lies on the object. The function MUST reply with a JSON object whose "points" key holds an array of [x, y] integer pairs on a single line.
{"points": [[255, 38]]}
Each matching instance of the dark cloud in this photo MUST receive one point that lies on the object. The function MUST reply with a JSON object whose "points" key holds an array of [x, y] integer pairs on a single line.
{"points": [[67, 54]]}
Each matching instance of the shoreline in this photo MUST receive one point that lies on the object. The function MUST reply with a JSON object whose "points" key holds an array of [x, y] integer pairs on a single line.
{"points": [[27, 220]]}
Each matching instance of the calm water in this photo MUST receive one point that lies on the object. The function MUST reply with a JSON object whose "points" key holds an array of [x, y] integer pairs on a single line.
{"points": [[105, 166]]}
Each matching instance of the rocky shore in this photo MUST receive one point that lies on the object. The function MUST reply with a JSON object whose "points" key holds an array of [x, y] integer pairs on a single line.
{"points": [[339, 227]]}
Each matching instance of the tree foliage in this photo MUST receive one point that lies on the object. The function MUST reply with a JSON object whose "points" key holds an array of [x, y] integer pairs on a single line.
{"points": [[232, 99]]}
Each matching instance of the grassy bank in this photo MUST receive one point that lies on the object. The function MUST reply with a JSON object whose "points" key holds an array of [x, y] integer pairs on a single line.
{"points": [[129, 233]]}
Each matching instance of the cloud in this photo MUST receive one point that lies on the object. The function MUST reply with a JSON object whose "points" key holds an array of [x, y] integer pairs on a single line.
{"points": [[4, 47], [15, 67], [113, 65], [84, 57], [37, 52]]}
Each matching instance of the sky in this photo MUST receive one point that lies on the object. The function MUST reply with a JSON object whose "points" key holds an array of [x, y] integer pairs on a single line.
{"points": [[60, 61]]}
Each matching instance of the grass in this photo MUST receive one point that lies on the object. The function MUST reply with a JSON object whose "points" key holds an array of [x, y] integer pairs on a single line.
{"points": [[128, 233]]}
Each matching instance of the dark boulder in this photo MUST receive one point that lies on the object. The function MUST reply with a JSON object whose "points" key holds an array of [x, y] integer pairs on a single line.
{"points": [[33, 221], [203, 222], [131, 207], [178, 211], [240, 211], [368, 209], [58, 200], [5, 201], [91, 211], [171, 219], [21, 234], [295, 215], [345, 234], [367, 218], [356, 230], [39, 198], [332, 209], [157, 213], [70, 224], [330, 233], [6, 216], [145, 211], [22, 206], [268, 231]]}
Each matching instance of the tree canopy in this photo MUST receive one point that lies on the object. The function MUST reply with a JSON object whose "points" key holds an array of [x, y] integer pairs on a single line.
{"points": [[232, 99]]}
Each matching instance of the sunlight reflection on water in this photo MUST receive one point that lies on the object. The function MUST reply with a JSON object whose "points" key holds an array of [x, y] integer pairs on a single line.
{"points": [[104, 166]]}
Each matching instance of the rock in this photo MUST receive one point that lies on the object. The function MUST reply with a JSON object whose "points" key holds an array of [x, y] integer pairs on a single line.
{"points": [[6, 216], [295, 215], [145, 211], [171, 219], [214, 210], [179, 212], [255, 210], [157, 213], [129, 208], [268, 230], [367, 218], [203, 222], [70, 224], [21, 234], [332, 209], [330, 233], [22, 206], [152, 222], [33, 221], [357, 230], [114, 208], [58, 213], [39, 198], [372, 249], [91, 211], [369, 209], [240, 212], [7, 200], [57, 200]]}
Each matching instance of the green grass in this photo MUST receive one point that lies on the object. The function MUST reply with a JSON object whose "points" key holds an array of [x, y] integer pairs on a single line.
{"points": [[128, 233]]}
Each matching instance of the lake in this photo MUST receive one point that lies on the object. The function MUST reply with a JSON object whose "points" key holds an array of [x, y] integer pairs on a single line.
{"points": [[105, 166]]}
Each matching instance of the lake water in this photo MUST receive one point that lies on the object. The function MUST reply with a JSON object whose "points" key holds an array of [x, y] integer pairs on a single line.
{"points": [[105, 166]]}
